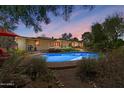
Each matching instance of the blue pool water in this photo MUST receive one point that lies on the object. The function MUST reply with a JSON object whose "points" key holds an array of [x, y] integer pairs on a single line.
{"points": [[70, 56]]}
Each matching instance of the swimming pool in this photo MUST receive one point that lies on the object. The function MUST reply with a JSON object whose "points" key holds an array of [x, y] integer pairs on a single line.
{"points": [[70, 56]]}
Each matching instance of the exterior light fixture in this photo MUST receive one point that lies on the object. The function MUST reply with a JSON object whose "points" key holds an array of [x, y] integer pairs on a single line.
{"points": [[37, 42]]}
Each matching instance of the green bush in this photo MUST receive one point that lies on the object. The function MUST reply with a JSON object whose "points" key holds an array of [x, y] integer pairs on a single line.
{"points": [[17, 52], [69, 49], [59, 50], [53, 50], [101, 55]]}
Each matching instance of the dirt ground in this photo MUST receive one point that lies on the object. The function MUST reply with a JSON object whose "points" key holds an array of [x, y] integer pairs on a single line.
{"points": [[69, 78], [66, 77]]}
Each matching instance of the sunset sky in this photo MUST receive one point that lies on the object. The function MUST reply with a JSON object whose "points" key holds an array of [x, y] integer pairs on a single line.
{"points": [[80, 22]]}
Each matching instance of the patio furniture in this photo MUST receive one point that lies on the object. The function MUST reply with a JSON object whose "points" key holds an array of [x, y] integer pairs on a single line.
{"points": [[3, 55]]}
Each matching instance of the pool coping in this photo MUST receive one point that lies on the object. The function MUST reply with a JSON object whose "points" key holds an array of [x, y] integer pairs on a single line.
{"points": [[60, 65]]}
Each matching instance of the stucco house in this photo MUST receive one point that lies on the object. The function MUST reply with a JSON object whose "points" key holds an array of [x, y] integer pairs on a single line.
{"points": [[38, 43], [42, 43]]}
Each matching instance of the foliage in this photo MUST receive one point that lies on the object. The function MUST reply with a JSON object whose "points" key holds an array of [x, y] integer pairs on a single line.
{"points": [[32, 15], [105, 72], [105, 36], [87, 39], [111, 72], [87, 70], [7, 42], [19, 75], [8, 73], [36, 68], [118, 43], [68, 49], [75, 39], [60, 50], [113, 27], [99, 38], [17, 52], [101, 56], [66, 36], [54, 50]]}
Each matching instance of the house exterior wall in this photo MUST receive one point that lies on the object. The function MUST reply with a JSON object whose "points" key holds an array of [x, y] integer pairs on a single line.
{"points": [[42, 44], [21, 43], [45, 44]]}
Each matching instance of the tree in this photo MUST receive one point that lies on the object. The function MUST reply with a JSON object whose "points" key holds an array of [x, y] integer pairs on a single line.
{"points": [[87, 39], [97, 31], [105, 36], [75, 39], [99, 38], [113, 28], [7, 42], [32, 15], [118, 43], [67, 36], [64, 36]]}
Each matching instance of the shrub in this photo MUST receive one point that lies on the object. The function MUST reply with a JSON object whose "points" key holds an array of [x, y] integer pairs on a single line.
{"points": [[111, 72], [53, 50], [58, 50], [102, 56], [18, 75], [17, 52], [105, 73], [87, 70], [8, 73], [68, 49], [36, 68]]}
